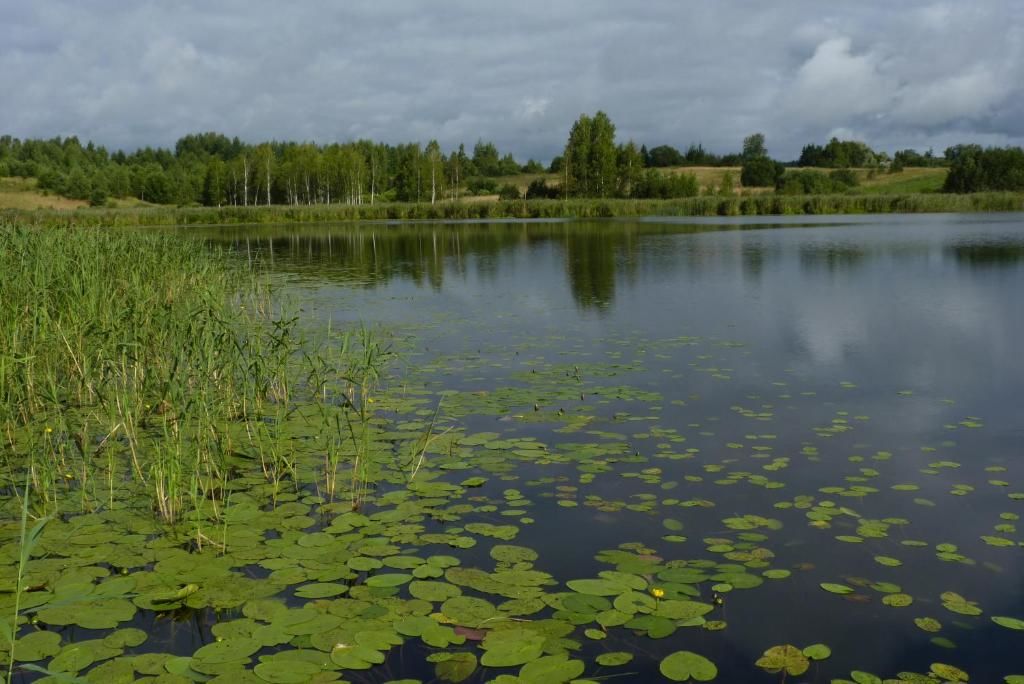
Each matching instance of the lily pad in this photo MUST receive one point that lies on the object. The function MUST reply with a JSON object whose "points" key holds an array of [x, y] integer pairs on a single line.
{"points": [[286, 671], [683, 666], [453, 667], [836, 588], [1009, 622], [785, 657], [228, 650], [817, 651], [387, 580], [36, 646], [554, 669], [614, 658], [597, 587]]}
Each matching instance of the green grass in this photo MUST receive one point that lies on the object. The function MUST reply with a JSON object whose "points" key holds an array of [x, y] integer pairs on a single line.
{"points": [[24, 194], [908, 181]]}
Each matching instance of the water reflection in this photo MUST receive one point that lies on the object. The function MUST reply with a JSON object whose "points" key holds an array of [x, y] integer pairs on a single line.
{"points": [[987, 254], [597, 257]]}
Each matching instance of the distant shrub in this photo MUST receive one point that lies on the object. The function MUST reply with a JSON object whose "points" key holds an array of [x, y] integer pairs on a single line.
{"points": [[539, 189], [761, 172], [655, 184], [809, 182], [847, 178], [479, 185], [508, 192]]}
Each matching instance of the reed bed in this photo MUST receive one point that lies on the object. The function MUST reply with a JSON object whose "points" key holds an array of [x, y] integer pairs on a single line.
{"points": [[139, 369], [752, 205]]}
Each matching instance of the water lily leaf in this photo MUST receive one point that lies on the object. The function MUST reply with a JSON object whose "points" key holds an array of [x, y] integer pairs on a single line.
{"points": [[928, 624], [682, 610], [388, 580], [785, 657], [72, 659], [453, 667], [94, 614], [683, 666], [614, 658], [508, 553], [468, 611], [378, 639], [318, 590], [817, 651], [441, 636], [633, 602], [264, 609], [897, 600], [555, 669], [586, 604], [862, 677], [597, 587], [958, 604], [36, 646], [355, 657], [125, 638], [433, 591], [228, 650], [1009, 622], [510, 647], [836, 588], [949, 673], [364, 563], [118, 671], [286, 671], [776, 574]]}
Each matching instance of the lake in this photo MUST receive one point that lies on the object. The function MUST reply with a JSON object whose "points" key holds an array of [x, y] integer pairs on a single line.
{"points": [[797, 432]]}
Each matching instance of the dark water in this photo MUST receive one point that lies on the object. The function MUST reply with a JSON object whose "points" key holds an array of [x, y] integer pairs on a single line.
{"points": [[860, 351]]}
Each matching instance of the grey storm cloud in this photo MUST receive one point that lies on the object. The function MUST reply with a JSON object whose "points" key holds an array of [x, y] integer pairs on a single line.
{"points": [[130, 74]]}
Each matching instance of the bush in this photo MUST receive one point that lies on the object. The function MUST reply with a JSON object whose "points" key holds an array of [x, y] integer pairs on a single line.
{"points": [[657, 185], [538, 189], [478, 185], [844, 178], [808, 182], [508, 192], [761, 172]]}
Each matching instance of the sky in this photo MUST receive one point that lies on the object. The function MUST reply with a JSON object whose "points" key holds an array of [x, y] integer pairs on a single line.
{"points": [[894, 74]]}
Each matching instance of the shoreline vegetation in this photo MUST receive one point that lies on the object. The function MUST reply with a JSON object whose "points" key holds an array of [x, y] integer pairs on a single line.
{"points": [[594, 177], [112, 388], [707, 206]]}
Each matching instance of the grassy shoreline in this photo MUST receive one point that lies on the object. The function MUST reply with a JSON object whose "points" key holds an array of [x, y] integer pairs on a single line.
{"points": [[754, 205]]}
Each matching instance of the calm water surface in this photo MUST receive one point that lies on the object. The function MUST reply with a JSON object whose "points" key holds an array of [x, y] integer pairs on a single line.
{"points": [[755, 366]]}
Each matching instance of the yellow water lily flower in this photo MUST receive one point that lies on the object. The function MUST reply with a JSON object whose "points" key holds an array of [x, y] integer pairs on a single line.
{"points": [[657, 593]]}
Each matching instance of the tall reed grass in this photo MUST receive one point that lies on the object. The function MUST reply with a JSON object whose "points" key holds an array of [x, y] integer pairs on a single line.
{"points": [[752, 205], [132, 361]]}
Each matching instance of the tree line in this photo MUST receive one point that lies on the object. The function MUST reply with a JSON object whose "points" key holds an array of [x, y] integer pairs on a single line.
{"points": [[213, 170]]}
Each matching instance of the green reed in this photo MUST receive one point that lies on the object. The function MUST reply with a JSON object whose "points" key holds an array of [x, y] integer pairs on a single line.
{"points": [[149, 353], [711, 205]]}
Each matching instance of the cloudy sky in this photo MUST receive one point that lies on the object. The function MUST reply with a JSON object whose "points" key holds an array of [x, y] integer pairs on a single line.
{"points": [[894, 74]]}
